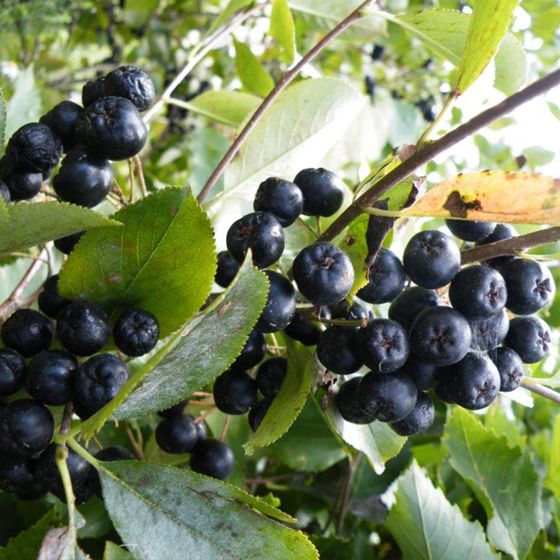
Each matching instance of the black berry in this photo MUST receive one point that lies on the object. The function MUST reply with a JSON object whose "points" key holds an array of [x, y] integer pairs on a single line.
{"points": [[346, 402], [303, 331], [213, 458], [280, 198], [386, 279], [83, 328], [510, 368], [260, 232], [17, 476], [136, 332], [384, 345], [500, 233], [93, 90], [489, 333], [258, 412], [410, 303], [132, 84], [12, 371], [469, 230], [323, 191], [227, 269], [50, 377], [175, 410], [62, 119], [66, 244], [280, 305], [5, 192], [418, 420], [431, 259], [354, 312], [337, 350], [323, 273], [99, 379], [23, 186], [107, 454], [530, 337], [423, 374], [51, 303], [201, 429], [176, 434], [235, 392], [270, 376], [252, 353], [27, 331], [440, 335]]}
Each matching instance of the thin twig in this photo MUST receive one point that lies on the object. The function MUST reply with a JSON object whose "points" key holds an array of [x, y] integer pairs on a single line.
{"points": [[131, 181], [426, 153], [226, 427], [140, 175], [540, 390], [280, 86], [138, 452]]}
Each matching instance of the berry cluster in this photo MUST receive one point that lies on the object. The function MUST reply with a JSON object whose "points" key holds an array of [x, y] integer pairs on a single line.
{"points": [[107, 127], [54, 377]]}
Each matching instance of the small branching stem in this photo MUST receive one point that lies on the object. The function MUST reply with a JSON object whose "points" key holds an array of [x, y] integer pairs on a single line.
{"points": [[540, 390]]}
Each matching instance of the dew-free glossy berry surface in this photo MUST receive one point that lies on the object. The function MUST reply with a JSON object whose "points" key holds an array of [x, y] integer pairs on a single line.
{"points": [[469, 230], [23, 186], [27, 331], [281, 198], [386, 279], [93, 90], [500, 233], [510, 368], [213, 458], [422, 373], [132, 84], [62, 119], [346, 402], [384, 345], [51, 303], [66, 244], [177, 434], [303, 331], [410, 303], [323, 191], [280, 305], [418, 420], [136, 332], [12, 371], [235, 392], [252, 353], [270, 376], [530, 337], [338, 350], [228, 267], [258, 412]]}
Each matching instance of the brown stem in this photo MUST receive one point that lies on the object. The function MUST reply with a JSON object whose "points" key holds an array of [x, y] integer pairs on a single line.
{"points": [[66, 422], [226, 427], [510, 246], [541, 390], [280, 86], [427, 152], [140, 173], [137, 450]]}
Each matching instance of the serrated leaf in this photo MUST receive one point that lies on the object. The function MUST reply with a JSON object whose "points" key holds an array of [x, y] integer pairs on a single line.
{"points": [[227, 107], [489, 23], [503, 478], [552, 480], [207, 350], [3, 120], [25, 104], [25, 225], [495, 196], [376, 440], [114, 552], [282, 28], [178, 512], [288, 404], [251, 72], [427, 527], [162, 260], [355, 246]]}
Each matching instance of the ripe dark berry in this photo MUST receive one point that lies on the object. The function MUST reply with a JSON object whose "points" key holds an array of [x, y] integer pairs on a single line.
{"points": [[500, 233], [337, 350], [201, 429], [47, 470], [423, 374], [469, 230], [431, 259], [136, 332], [252, 353], [175, 410], [83, 328], [323, 191], [132, 84], [99, 379], [418, 420], [347, 403], [262, 233], [82, 412], [478, 292], [107, 454], [386, 279], [34, 148], [62, 119], [280, 305], [258, 412], [176, 434], [66, 244], [303, 331], [17, 475], [386, 396], [12, 371], [227, 269], [440, 335], [112, 129], [92, 91], [323, 273], [26, 428], [23, 186], [50, 377], [235, 392], [83, 179], [384, 345], [473, 382], [441, 392], [27, 331], [271, 375], [530, 337], [213, 458], [5, 192], [530, 286], [510, 368], [410, 303], [281, 198], [51, 303], [489, 333], [354, 312]]}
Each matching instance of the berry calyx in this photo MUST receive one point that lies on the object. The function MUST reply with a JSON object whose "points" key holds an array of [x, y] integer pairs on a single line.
{"points": [[510, 368], [530, 337], [136, 332], [384, 345]]}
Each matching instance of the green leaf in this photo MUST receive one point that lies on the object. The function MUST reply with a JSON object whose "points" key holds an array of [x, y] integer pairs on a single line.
{"points": [[27, 543], [427, 527], [251, 72], [552, 480], [511, 65], [114, 552], [376, 440], [232, 7], [162, 260], [282, 28], [3, 120], [288, 404], [227, 107], [294, 449], [25, 225], [355, 246], [178, 512], [25, 104], [503, 478], [207, 350], [489, 23]]}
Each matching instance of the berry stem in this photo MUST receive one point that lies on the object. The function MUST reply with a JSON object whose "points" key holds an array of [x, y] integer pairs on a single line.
{"points": [[427, 152], [225, 429], [136, 448], [280, 86], [540, 390], [140, 174]]}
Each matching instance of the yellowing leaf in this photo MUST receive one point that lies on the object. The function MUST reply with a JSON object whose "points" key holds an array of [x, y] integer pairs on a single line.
{"points": [[493, 196]]}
